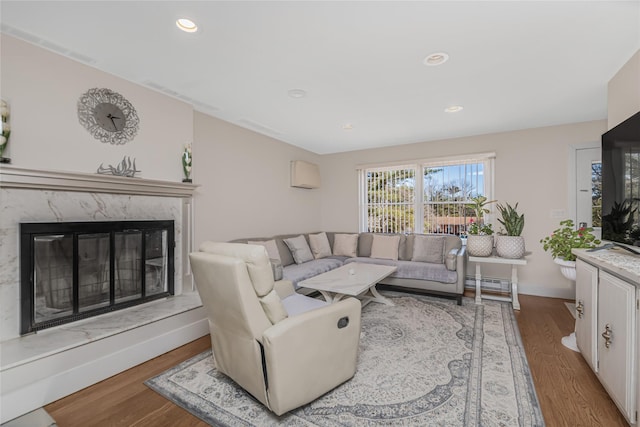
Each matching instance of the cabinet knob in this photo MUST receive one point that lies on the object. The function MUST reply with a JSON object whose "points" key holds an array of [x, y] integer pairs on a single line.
{"points": [[607, 336], [580, 309]]}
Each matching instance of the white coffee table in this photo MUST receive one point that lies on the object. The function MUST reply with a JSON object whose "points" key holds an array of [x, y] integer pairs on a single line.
{"points": [[353, 279]]}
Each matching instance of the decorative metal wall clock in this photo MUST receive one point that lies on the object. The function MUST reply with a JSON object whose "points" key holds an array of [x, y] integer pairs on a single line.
{"points": [[108, 116]]}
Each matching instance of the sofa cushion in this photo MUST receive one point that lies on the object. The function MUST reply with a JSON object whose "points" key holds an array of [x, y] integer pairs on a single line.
{"points": [[296, 304], [299, 249], [385, 247], [298, 272], [428, 249], [345, 245], [319, 245], [365, 240], [413, 270], [270, 245]]}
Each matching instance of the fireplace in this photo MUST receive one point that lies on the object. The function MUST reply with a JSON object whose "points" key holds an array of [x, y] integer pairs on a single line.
{"points": [[75, 270]]}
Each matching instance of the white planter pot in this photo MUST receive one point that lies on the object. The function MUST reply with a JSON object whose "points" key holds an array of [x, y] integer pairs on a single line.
{"points": [[510, 246], [479, 245], [567, 268]]}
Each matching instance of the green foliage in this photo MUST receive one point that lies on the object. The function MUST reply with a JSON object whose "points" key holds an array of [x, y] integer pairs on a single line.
{"points": [[511, 220], [478, 226], [565, 238], [481, 229]]}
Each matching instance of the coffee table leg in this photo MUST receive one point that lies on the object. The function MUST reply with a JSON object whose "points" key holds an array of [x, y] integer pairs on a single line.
{"points": [[327, 296], [379, 298], [330, 297]]}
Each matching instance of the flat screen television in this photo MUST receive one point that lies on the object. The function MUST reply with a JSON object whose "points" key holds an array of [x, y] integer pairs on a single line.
{"points": [[621, 184]]}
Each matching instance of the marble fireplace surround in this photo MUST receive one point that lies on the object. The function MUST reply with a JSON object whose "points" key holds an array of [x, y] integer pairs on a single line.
{"points": [[42, 367]]}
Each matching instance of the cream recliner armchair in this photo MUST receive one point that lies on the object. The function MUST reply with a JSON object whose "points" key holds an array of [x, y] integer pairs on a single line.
{"points": [[284, 348]]}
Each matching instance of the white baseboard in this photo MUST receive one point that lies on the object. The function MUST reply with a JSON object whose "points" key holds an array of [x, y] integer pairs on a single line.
{"points": [[42, 381]]}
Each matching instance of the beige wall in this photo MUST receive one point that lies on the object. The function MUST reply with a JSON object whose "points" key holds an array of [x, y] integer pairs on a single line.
{"points": [[244, 178], [624, 92], [43, 88], [532, 168]]}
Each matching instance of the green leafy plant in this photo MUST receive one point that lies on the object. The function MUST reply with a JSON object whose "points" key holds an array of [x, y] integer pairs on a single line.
{"points": [[566, 238], [479, 229], [511, 220], [478, 226]]}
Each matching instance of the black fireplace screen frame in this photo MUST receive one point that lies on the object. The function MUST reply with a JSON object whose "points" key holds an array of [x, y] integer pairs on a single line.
{"points": [[30, 231]]}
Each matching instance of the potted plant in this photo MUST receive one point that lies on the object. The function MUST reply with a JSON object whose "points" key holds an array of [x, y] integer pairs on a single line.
{"points": [[510, 245], [480, 235], [563, 240]]}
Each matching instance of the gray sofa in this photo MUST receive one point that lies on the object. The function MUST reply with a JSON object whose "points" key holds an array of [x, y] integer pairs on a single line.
{"points": [[444, 278]]}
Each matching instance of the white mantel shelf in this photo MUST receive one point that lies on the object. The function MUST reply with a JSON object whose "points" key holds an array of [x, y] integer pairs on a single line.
{"points": [[17, 177]]}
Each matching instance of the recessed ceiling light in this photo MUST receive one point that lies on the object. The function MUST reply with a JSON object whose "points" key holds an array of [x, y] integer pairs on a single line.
{"points": [[436, 59], [453, 109], [347, 126], [297, 93], [187, 25]]}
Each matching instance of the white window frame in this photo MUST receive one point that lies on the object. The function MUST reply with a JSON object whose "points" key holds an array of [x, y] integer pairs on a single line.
{"points": [[488, 172]]}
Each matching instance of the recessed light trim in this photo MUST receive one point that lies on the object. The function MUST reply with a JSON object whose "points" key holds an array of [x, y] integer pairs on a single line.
{"points": [[347, 126], [186, 25], [453, 109], [297, 93], [437, 58]]}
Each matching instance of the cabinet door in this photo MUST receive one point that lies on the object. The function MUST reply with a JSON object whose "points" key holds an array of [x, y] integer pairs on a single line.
{"points": [[616, 343], [586, 311]]}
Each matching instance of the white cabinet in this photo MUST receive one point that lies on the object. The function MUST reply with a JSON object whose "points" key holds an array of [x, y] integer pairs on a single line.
{"points": [[616, 341], [587, 311], [606, 333]]}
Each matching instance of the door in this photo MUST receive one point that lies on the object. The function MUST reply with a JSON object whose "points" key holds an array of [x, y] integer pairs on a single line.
{"points": [[588, 187]]}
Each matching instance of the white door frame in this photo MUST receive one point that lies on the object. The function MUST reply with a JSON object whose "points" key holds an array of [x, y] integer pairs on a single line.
{"points": [[573, 190]]}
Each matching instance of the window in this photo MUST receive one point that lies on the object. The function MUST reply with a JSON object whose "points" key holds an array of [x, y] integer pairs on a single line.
{"points": [[394, 201], [390, 199]]}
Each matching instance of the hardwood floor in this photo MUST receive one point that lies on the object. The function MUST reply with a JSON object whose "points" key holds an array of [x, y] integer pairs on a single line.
{"points": [[569, 393]]}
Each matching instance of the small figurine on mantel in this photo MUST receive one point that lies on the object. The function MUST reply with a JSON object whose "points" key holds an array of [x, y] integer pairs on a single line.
{"points": [[186, 162], [5, 129]]}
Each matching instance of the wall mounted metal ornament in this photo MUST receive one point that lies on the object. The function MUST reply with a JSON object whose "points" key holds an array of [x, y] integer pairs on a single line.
{"points": [[125, 168], [108, 116]]}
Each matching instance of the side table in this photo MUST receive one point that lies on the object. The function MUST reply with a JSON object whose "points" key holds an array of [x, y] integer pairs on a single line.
{"points": [[494, 259]]}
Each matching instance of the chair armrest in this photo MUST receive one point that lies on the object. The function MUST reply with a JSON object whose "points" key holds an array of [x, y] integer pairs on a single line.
{"points": [[308, 355], [284, 288]]}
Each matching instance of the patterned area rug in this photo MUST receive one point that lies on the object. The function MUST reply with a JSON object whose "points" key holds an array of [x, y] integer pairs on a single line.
{"points": [[423, 362]]}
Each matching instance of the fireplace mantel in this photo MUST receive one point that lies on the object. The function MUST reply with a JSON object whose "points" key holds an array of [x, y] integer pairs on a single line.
{"points": [[17, 177]]}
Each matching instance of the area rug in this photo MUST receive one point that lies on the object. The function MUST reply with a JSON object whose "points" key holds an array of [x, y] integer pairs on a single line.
{"points": [[423, 362]]}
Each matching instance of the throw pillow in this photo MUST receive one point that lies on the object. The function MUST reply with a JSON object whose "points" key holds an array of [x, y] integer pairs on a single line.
{"points": [[345, 245], [270, 245], [428, 249], [385, 247], [299, 248], [320, 245], [273, 307]]}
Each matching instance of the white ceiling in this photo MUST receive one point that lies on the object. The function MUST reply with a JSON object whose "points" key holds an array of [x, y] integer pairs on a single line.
{"points": [[513, 65]]}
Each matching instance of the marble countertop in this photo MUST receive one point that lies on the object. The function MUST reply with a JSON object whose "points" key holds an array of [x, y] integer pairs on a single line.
{"points": [[616, 261], [22, 350]]}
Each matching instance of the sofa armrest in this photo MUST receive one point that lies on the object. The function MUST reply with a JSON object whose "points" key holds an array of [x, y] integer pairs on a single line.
{"points": [[305, 356], [284, 288], [461, 269], [450, 260]]}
